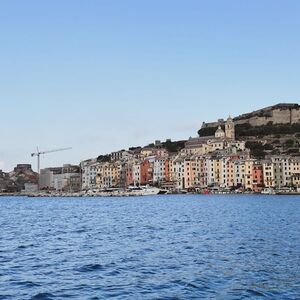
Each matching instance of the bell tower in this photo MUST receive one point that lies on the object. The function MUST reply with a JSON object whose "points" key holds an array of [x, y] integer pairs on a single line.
{"points": [[229, 129]]}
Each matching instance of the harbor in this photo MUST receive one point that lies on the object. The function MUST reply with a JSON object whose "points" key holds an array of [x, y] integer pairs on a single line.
{"points": [[150, 191]]}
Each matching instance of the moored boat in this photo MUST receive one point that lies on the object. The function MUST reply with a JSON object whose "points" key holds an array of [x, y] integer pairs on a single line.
{"points": [[268, 191]]}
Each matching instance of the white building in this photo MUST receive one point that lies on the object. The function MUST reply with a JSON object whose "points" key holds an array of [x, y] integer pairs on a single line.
{"points": [[136, 173], [159, 169], [89, 173], [268, 174], [121, 155], [239, 173], [66, 178], [178, 174]]}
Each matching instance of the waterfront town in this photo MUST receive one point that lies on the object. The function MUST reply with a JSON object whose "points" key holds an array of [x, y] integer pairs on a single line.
{"points": [[203, 164]]}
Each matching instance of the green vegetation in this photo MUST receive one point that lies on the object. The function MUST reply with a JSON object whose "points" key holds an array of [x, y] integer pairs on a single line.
{"points": [[208, 131], [104, 158], [277, 142], [135, 148], [242, 130], [289, 143], [275, 152], [268, 147], [293, 151], [173, 146], [257, 149]]}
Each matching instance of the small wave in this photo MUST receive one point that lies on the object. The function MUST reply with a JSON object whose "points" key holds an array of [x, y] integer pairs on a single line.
{"points": [[21, 247], [91, 267], [43, 296], [113, 273], [28, 284], [148, 250], [82, 230], [189, 247], [255, 293]]}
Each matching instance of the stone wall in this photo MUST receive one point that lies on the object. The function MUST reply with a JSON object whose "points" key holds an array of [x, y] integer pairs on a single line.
{"points": [[277, 114]]}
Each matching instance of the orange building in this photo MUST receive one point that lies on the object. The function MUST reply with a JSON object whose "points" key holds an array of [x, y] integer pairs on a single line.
{"points": [[146, 172], [257, 177], [167, 170]]}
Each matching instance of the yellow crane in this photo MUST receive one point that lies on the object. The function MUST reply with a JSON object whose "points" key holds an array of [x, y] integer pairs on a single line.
{"points": [[39, 153]]}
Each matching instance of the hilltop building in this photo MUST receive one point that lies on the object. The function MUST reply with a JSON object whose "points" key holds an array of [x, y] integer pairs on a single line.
{"points": [[282, 113], [229, 129], [220, 141]]}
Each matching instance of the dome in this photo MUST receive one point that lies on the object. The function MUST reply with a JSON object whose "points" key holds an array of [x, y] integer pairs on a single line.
{"points": [[219, 133], [220, 129]]}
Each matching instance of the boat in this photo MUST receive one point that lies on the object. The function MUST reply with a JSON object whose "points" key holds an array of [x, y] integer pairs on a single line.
{"points": [[268, 191], [144, 190], [288, 191]]}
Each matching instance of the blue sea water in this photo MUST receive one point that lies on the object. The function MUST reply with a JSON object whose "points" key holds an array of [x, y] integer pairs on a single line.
{"points": [[160, 247]]}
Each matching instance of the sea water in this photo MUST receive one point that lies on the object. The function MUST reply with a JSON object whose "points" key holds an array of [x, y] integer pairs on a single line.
{"points": [[152, 247]]}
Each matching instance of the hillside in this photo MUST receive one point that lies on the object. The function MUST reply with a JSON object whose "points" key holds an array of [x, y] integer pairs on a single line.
{"points": [[22, 174], [274, 129], [282, 113]]}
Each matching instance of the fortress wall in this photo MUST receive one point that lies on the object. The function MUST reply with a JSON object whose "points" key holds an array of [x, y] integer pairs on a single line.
{"points": [[281, 116], [213, 124], [295, 115], [277, 116]]}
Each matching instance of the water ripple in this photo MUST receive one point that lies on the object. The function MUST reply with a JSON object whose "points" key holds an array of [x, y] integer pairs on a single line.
{"points": [[166, 247], [43, 296]]}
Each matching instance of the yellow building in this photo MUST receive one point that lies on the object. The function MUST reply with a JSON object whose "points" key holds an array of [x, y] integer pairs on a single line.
{"points": [[108, 175], [145, 152], [230, 173], [296, 180], [295, 172], [218, 171]]}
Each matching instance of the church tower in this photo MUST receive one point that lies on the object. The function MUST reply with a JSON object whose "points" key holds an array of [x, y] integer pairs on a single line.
{"points": [[229, 129]]}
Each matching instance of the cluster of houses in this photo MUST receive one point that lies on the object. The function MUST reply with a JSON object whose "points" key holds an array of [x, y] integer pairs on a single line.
{"points": [[219, 162]]}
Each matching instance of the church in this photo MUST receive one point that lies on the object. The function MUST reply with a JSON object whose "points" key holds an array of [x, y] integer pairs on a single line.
{"points": [[220, 141], [229, 133]]}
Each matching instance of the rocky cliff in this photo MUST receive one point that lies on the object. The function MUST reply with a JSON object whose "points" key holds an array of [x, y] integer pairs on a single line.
{"points": [[15, 181]]}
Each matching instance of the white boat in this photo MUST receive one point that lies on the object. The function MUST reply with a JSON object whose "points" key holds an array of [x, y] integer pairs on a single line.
{"points": [[268, 191], [145, 190]]}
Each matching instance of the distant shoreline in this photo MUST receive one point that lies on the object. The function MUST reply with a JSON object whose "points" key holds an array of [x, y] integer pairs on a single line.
{"points": [[103, 195]]}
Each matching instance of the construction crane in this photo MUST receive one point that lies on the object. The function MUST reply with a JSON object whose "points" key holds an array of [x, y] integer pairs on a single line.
{"points": [[39, 153]]}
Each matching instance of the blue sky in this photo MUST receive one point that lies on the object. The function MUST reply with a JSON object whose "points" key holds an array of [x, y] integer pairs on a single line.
{"points": [[108, 74]]}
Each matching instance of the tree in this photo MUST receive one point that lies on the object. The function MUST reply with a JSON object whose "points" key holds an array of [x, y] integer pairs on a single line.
{"points": [[289, 143], [256, 149], [268, 147]]}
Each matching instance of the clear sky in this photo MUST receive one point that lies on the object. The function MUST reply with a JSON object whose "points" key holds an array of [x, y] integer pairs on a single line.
{"points": [[102, 75]]}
